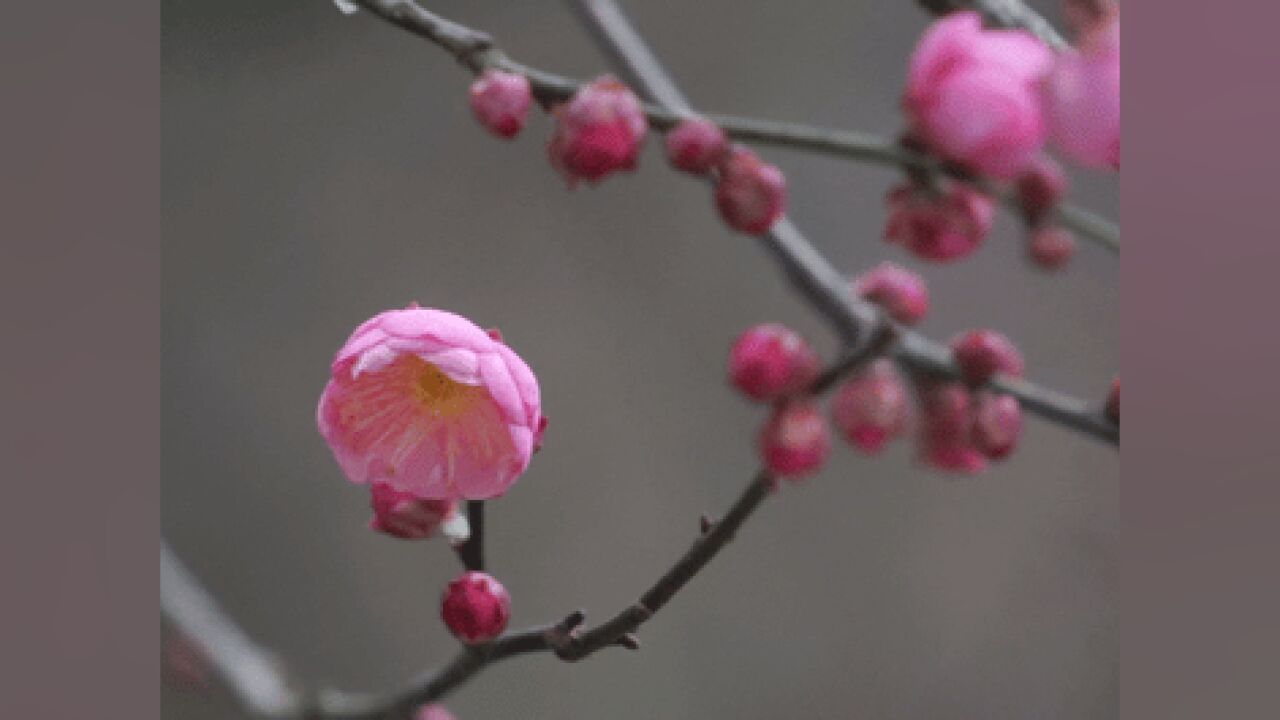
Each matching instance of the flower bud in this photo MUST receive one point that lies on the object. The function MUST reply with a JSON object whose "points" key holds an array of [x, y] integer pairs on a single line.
{"points": [[598, 131], [1050, 247], [696, 145], [1040, 187], [794, 443], [997, 422], [500, 102], [901, 293], [769, 361], [946, 418], [403, 515], [475, 608], [750, 194], [1113, 402], [434, 712], [870, 409], [938, 227], [980, 354]]}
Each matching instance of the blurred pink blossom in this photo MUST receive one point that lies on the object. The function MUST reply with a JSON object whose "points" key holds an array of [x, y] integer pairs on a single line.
{"points": [[1083, 98], [972, 94]]}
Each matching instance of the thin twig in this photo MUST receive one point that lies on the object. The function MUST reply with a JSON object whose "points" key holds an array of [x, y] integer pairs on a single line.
{"points": [[475, 50], [471, 552], [814, 277]]}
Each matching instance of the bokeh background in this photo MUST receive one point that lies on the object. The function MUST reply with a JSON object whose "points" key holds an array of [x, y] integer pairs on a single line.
{"points": [[319, 168]]}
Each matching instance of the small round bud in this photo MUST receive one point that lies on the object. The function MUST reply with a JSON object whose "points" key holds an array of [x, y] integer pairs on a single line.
{"points": [[946, 417], [1040, 187], [696, 145], [870, 409], [939, 227], [770, 361], [434, 712], [1050, 247], [980, 354], [901, 293], [794, 443], [500, 102], [750, 194], [997, 422], [1113, 402], [406, 516], [475, 608], [598, 131], [185, 665]]}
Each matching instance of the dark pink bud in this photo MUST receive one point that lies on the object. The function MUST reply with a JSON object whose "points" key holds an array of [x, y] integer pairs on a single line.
{"points": [[405, 516], [500, 102], [980, 354], [1113, 402], [946, 418], [751, 195], [598, 131], [696, 145], [1050, 247], [901, 293], [938, 227], [475, 608], [997, 422], [769, 361], [185, 665], [794, 443], [434, 712], [870, 409], [1039, 188]]}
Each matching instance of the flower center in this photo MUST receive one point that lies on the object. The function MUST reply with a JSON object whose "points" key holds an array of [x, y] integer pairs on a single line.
{"points": [[437, 392]]}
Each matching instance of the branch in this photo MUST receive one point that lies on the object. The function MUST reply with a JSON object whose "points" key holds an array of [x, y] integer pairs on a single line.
{"points": [[475, 50], [824, 287], [254, 675], [471, 552], [259, 681], [1003, 13], [815, 278]]}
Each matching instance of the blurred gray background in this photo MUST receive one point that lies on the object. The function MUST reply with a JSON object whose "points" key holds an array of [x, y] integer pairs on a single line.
{"points": [[318, 169]]}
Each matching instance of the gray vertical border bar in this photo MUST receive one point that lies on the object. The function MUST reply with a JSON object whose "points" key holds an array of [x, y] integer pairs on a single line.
{"points": [[80, 257]]}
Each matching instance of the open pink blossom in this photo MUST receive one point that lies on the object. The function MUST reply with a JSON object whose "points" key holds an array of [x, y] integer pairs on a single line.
{"points": [[938, 227], [972, 94], [1083, 98], [427, 402]]}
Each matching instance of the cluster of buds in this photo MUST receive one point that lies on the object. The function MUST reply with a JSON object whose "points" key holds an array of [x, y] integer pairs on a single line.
{"points": [[987, 100], [965, 425], [600, 129], [962, 426]]}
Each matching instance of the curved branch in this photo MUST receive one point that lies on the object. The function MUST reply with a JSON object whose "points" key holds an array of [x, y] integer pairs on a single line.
{"points": [[475, 50]]}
